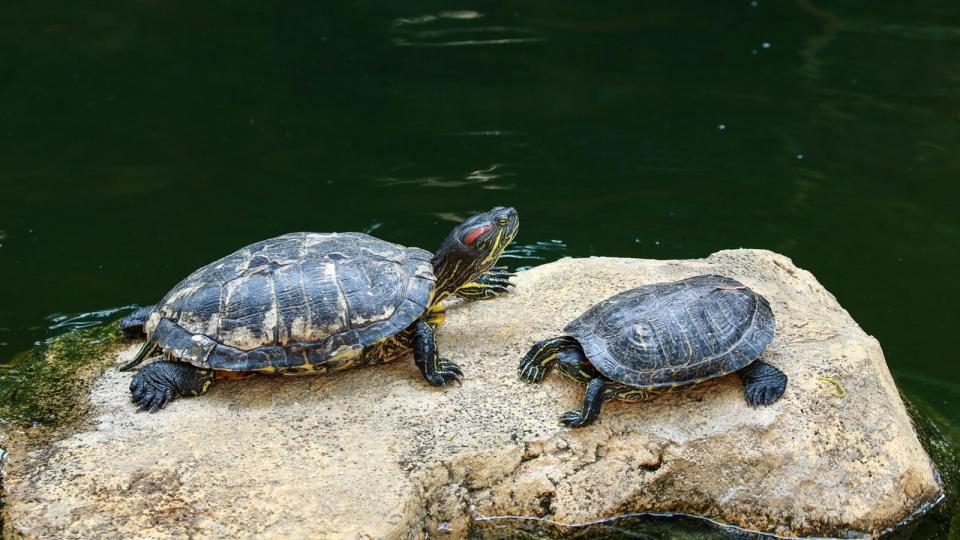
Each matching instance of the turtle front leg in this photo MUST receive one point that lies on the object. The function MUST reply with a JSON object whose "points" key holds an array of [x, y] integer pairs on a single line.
{"points": [[593, 399], [763, 384], [438, 371], [542, 356], [161, 382], [489, 285]]}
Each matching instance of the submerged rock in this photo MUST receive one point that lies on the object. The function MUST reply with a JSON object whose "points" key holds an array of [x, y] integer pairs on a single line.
{"points": [[377, 453]]}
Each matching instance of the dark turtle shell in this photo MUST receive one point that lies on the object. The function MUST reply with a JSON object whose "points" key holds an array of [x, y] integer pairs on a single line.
{"points": [[676, 333], [294, 300]]}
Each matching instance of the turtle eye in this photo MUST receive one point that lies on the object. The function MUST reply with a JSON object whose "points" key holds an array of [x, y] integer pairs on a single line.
{"points": [[503, 220], [472, 236]]}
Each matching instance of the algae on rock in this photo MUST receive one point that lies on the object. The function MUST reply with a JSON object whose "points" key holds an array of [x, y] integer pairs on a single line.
{"points": [[50, 385], [941, 439]]}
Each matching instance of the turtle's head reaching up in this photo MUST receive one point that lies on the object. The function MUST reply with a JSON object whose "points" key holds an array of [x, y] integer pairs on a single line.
{"points": [[472, 248]]}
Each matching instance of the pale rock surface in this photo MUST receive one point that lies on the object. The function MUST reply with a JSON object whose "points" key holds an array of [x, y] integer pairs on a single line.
{"points": [[377, 453]]}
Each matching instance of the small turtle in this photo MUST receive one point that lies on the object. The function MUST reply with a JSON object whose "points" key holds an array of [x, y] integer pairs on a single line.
{"points": [[663, 337], [313, 303]]}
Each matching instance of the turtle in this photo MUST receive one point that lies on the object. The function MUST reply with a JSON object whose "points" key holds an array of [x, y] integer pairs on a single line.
{"points": [[663, 337], [314, 303]]}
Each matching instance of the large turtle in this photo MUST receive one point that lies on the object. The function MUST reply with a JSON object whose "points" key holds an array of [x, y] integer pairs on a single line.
{"points": [[312, 302], [663, 337]]}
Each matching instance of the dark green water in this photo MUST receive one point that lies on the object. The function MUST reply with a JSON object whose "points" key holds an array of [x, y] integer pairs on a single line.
{"points": [[140, 141]]}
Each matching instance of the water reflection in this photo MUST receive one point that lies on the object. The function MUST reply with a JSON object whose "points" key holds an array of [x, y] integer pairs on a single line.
{"points": [[486, 175], [452, 217], [457, 29], [817, 43]]}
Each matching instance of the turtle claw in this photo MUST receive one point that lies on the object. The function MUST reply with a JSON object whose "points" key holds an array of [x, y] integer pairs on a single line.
{"points": [[160, 400], [444, 373], [162, 382], [755, 396], [498, 288], [573, 419], [593, 399], [142, 402], [500, 272], [536, 363], [491, 284], [531, 372], [152, 398], [762, 395], [496, 279], [136, 389]]}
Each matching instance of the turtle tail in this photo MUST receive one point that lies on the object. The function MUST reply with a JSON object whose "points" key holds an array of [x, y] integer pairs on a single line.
{"points": [[142, 355]]}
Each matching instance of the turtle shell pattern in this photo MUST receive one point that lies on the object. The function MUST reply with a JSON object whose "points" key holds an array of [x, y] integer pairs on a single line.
{"points": [[293, 302], [677, 333]]}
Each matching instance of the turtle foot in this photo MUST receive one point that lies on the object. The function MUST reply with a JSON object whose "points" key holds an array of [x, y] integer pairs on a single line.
{"points": [[593, 399], [161, 382], [763, 384], [444, 372], [491, 284], [500, 274], [530, 370], [575, 419], [535, 365], [763, 395]]}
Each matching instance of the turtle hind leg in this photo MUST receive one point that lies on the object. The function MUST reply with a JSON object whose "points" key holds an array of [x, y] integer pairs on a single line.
{"points": [[132, 324], [593, 400], [436, 370], [763, 384], [161, 382]]}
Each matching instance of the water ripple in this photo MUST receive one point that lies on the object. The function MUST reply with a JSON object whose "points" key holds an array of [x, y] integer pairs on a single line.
{"points": [[65, 322], [484, 177], [428, 18], [489, 133], [460, 28], [536, 253]]}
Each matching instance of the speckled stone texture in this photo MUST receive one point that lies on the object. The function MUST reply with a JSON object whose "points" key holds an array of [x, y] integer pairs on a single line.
{"points": [[377, 453]]}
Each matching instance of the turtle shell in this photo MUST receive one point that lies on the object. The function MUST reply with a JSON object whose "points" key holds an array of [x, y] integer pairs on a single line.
{"points": [[295, 300], [682, 332]]}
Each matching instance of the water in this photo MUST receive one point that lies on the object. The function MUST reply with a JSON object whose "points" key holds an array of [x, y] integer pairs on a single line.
{"points": [[142, 140]]}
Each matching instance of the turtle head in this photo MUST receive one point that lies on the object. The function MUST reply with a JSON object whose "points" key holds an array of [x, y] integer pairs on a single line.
{"points": [[472, 248], [573, 363]]}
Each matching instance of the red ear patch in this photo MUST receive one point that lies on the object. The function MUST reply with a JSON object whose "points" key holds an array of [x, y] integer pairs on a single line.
{"points": [[474, 234]]}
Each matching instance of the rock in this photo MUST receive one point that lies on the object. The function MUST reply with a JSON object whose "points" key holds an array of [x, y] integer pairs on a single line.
{"points": [[377, 453]]}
